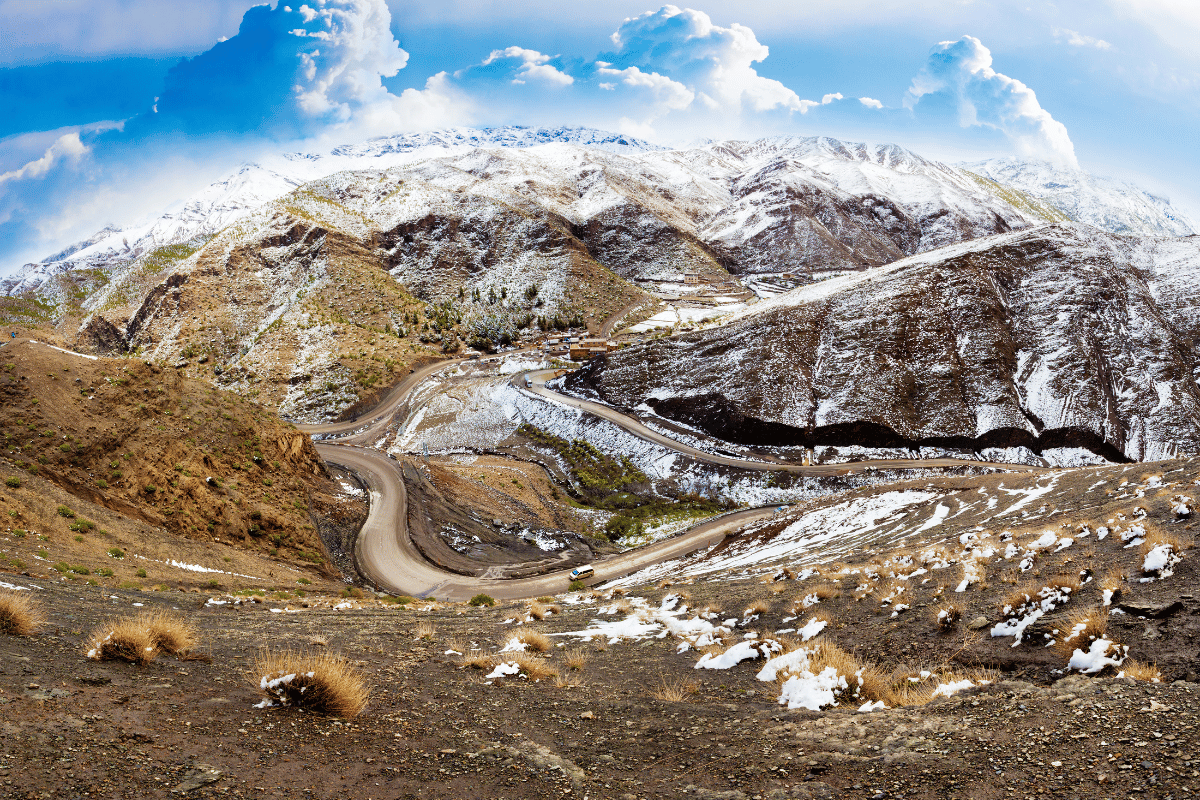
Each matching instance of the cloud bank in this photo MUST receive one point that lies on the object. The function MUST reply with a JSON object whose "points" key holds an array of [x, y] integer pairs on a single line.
{"points": [[311, 75], [962, 71]]}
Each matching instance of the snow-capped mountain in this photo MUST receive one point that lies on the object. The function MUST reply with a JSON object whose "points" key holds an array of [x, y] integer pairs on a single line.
{"points": [[504, 136], [779, 204], [1058, 336], [288, 273], [1111, 205], [850, 205]]}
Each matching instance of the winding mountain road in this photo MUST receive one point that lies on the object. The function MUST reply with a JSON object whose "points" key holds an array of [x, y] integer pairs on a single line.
{"points": [[537, 385], [386, 553]]}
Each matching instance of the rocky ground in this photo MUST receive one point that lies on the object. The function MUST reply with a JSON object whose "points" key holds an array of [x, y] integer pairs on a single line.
{"points": [[615, 707], [434, 728]]}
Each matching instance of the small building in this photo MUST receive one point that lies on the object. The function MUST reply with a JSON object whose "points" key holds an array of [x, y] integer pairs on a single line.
{"points": [[586, 348], [691, 278]]}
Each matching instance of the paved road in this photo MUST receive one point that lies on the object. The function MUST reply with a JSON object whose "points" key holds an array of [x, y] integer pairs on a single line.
{"points": [[537, 385], [385, 551], [374, 422], [387, 555]]}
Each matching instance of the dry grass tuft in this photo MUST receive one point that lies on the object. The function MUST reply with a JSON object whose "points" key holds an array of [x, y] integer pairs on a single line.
{"points": [[865, 681], [170, 633], [537, 611], [674, 691], [947, 617], [1082, 627], [575, 658], [122, 640], [1140, 671], [1156, 537], [1113, 580], [20, 614], [758, 607], [886, 591], [424, 630], [318, 641], [323, 682], [533, 666], [826, 591], [477, 659], [536, 641], [1065, 581]]}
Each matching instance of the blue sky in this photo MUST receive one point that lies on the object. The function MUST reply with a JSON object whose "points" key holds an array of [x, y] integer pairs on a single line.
{"points": [[116, 108]]}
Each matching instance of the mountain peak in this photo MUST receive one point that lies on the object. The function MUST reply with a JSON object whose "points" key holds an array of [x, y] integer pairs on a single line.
{"points": [[1108, 203]]}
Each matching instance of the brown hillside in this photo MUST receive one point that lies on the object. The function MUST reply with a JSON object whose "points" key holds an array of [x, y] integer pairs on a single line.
{"points": [[156, 447]]}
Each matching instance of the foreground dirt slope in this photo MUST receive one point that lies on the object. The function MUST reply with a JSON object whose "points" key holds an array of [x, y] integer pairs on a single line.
{"points": [[436, 729], [155, 448]]}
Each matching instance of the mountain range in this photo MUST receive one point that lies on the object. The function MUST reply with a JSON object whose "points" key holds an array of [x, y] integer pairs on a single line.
{"points": [[310, 281]]}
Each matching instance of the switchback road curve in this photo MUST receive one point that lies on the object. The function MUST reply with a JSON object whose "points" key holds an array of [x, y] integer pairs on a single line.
{"points": [[387, 555]]}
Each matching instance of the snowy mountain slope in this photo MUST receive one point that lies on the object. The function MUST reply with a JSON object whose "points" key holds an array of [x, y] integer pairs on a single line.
{"points": [[1108, 204], [686, 190], [1051, 337], [816, 204], [504, 136], [771, 205], [307, 303]]}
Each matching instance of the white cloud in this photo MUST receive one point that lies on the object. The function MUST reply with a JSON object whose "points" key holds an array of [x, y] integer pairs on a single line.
{"points": [[805, 105], [1077, 39], [66, 148], [439, 105], [714, 63], [963, 70], [354, 48], [870, 102], [533, 66], [666, 93]]}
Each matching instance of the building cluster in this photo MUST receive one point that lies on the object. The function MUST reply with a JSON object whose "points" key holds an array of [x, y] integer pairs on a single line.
{"points": [[577, 348]]}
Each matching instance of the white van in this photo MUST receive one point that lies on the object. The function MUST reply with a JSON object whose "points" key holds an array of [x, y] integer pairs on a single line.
{"points": [[582, 573]]}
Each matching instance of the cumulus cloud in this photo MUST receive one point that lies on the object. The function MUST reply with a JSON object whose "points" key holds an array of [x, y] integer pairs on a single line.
{"points": [[713, 63], [1077, 39], [664, 92], [288, 72], [295, 76], [533, 66], [962, 70], [66, 148], [870, 102]]}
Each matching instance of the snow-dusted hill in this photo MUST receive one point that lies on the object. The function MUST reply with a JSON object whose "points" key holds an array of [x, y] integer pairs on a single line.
{"points": [[292, 274], [1056, 337], [1108, 204], [773, 205]]}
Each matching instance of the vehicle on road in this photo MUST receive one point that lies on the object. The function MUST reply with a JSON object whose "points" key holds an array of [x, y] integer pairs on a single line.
{"points": [[582, 573]]}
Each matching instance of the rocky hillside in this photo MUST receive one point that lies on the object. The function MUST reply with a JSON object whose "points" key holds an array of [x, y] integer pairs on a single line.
{"points": [[1112, 205], [148, 445], [944, 656], [1057, 337], [312, 281]]}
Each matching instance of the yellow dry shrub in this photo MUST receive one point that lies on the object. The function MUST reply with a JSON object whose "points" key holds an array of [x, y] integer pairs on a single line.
{"points": [[125, 639], [323, 682], [20, 614]]}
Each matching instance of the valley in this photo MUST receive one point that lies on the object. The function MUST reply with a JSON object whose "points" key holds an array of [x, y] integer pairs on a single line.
{"points": [[881, 473]]}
